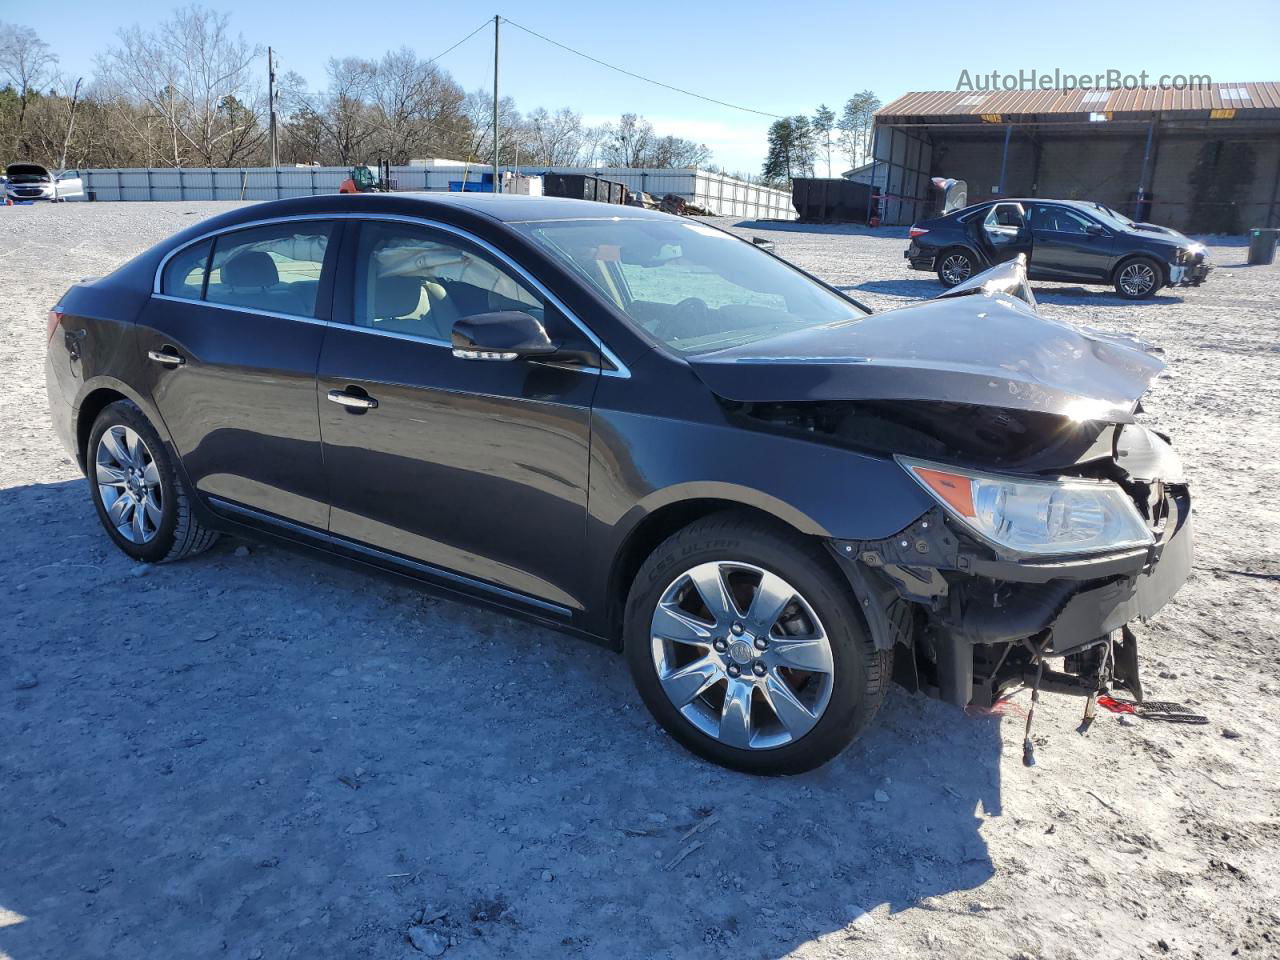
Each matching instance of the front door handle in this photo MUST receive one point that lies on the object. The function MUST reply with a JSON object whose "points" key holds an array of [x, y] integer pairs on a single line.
{"points": [[353, 400], [168, 356]]}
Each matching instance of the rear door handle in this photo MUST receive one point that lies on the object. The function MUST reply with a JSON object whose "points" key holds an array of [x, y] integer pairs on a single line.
{"points": [[352, 400], [168, 356]]}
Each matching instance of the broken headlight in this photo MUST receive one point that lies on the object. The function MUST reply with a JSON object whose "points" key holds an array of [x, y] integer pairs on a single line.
{"points": [[1037, 517]]}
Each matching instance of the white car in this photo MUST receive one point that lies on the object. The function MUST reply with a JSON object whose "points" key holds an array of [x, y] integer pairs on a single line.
{"points": [[30, 181]]}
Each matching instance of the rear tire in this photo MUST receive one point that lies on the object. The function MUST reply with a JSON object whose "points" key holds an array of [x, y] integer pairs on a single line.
{"points": [[818, 646], [141, 498], [1138, 278], [955, 266]]}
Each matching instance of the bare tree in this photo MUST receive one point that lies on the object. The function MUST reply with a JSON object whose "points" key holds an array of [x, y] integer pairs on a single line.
{"points": [[197, 79], [414, 103], [634, 143], [26, 65], [555, 139], [478, 109]]}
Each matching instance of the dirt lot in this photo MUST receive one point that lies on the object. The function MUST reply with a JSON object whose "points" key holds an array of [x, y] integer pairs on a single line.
{"points": [[259, 754]]}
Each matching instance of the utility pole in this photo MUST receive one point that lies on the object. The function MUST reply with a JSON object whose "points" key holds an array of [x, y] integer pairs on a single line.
{"points": [[271, 105], [497, 183]]}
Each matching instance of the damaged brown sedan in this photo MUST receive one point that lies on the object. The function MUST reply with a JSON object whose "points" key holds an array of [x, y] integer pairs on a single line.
{"points": [[645, 430]]}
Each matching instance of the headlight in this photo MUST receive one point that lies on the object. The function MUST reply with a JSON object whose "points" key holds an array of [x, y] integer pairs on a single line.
{"points": [[1037, 517]]}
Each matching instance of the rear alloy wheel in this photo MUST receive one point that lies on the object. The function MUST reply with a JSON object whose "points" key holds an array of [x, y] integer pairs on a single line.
{"points": [[956, 266], [1138, 279], [128, 480], [746, 647], [141, 498]]}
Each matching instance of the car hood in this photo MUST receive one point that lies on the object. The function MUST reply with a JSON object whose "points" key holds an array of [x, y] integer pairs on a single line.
{"points": [[26, 170], [1164, 233], [987, 349]]}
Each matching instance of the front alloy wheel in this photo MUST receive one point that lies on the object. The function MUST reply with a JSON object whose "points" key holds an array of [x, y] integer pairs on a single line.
{"points": [[746, 644], [742, 655], [1137, 279]]}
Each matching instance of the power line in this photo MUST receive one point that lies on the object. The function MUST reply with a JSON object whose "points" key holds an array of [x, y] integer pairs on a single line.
{"points": [[483, 24], [659, 83]]}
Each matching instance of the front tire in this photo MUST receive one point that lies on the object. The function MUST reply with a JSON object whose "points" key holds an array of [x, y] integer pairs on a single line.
{"points": [[955, 266], [141, 498], [1138, 278], [747, 647]]}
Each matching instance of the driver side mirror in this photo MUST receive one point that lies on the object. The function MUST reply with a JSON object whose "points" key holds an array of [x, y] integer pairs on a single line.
{"points": [[1095, 230], [502, 335]]}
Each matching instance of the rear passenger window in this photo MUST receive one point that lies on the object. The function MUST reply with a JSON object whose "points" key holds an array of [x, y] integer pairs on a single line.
{"points": [[184, 273], [275, 268]]}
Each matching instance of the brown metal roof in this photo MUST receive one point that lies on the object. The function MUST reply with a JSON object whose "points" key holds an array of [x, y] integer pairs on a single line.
{"points": [[1144, 100]]}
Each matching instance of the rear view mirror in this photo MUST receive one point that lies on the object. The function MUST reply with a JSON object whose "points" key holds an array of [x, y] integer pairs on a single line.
{"points": [[502, 335], [762, 243]]}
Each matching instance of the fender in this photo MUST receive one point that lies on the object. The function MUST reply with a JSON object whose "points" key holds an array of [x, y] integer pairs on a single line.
{"points": [[640, 465], [720, 490], [974, 251], [144, 404]]}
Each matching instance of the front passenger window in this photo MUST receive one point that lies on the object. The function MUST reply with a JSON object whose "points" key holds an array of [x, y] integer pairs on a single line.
{"points": [[275, 268], [419, 282]]}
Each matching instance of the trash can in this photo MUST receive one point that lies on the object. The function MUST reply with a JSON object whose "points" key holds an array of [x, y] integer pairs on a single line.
{"points": [[1262, 245]]}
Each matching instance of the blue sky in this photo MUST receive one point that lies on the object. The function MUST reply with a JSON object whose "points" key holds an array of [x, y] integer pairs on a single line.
{"points": [[774, 57]]}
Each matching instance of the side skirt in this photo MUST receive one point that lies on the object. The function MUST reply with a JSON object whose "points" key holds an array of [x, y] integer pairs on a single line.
{"points": [[239, 519]]}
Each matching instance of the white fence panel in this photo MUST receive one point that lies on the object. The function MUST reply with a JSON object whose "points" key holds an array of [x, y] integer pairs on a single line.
{"points": [[725, 196]]}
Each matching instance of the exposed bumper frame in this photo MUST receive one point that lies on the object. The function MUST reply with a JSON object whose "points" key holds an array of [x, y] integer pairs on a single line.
{"points": [[972, 598]]}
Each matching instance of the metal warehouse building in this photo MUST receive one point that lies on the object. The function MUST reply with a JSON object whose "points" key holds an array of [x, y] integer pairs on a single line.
{"points": [[1202, 160]]}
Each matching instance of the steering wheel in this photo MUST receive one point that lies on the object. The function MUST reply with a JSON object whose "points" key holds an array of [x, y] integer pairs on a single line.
{"points": [[685, 317]]}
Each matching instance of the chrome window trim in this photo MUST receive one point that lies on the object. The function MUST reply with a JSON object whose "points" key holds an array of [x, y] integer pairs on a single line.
{"points": [[252, 310], [620, 370]]}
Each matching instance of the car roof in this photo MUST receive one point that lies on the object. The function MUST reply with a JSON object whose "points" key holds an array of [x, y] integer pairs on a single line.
{"points": [[516, 208], [502, 207], [1085, 205]]}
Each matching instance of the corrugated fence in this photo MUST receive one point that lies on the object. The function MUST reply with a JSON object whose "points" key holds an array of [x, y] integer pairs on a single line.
{"points": [[725, 196]]}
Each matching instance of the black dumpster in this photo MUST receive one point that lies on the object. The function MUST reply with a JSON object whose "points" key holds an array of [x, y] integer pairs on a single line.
{"points": [[826, 199], [1262, 245], [575, 185]]}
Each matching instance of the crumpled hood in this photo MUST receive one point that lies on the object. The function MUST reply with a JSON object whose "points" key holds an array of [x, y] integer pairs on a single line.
{"points": [[988, 349]]}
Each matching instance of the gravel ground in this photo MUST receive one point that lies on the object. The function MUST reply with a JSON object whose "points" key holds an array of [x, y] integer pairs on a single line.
{"points": [[259, 754]]}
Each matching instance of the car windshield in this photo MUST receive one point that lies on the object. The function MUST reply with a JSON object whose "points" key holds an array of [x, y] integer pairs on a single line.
{"points": [[1113, 217], [689, 285]]}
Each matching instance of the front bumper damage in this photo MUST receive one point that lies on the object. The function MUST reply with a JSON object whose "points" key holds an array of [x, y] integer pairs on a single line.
{"points": [[975, 623], [1191, 274]]}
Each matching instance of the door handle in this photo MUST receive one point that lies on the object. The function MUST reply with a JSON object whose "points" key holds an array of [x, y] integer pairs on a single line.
{"points": [[168, 356], [352, 400]]}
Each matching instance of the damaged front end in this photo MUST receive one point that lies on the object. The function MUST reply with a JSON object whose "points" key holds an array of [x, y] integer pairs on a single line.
{"points": [[1058, 520], [985, 617], [1047, 543]]}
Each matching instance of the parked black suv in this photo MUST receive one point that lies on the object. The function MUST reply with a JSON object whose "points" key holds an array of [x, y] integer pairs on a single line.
{"points": [[646, 430], [1063, 240]]}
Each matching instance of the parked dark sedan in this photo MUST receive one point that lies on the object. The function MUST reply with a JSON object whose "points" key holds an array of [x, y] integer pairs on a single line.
{"points": [[643, 429], [1063, 240]]}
